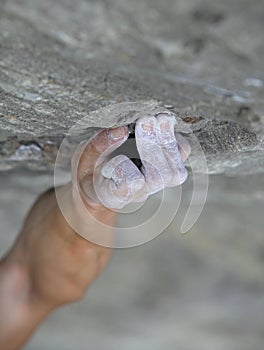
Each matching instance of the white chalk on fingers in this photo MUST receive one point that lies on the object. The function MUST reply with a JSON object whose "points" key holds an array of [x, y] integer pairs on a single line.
{"points": [[124, 180], [159, 151], [171, 150], [184, 146], [154, 162]]}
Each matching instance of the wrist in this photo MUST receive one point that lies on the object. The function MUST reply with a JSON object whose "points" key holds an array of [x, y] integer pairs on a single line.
{"points": [[17, 294]]}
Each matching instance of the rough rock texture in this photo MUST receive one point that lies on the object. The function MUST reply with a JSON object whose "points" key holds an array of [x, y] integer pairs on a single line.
{"points": [[60, 60]]}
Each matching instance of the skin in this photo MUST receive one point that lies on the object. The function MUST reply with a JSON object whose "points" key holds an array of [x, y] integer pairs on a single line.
{"points": [[49, 264]]}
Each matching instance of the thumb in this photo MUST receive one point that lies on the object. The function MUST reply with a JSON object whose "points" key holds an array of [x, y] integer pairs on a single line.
{"points": [[101, 145]]}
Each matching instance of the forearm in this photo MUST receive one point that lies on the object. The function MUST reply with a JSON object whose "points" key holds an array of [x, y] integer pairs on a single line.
{"points": [[20, 314], [49, 265], [21, 308]]}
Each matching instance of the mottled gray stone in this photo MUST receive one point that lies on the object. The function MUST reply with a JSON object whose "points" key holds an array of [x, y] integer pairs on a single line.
{"points": [[61, 60]]}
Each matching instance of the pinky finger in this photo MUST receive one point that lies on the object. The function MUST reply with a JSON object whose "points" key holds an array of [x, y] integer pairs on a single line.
{"points": [[183, 145]]}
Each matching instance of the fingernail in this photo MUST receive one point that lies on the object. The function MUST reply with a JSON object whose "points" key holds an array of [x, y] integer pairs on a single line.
{"points": [[117, 133], [148, 127]]}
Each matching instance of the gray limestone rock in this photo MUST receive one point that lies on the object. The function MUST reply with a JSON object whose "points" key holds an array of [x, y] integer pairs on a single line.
{"points": [[62, 60]]}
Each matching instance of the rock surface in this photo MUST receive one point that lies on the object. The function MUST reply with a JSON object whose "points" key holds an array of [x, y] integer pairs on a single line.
{"points": [[61, 60]]}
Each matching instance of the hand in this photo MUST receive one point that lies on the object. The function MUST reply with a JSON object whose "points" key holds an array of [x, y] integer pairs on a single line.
{"points": [[118, 180]]}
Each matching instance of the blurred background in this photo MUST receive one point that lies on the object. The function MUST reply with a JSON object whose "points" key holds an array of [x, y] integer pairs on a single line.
{"points": [[201, 290]]}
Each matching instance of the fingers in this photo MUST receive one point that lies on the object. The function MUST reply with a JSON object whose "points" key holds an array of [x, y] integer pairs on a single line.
{"points": [[119, 182], [184, 146], [170, 148], [151, 155], [159, 152]]}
